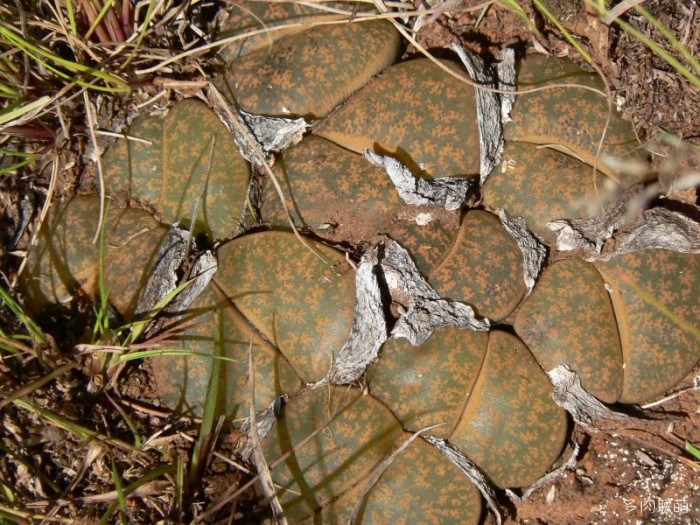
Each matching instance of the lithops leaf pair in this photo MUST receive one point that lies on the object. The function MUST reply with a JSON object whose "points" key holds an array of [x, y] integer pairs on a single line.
{"points": [[346, 469], [184, 165], [65, 265], [627, 326], [563, 158], [487, 393]]}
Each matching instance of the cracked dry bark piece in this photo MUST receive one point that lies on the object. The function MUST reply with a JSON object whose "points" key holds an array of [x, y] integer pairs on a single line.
{"points": [[387, 271], [447, 192]]}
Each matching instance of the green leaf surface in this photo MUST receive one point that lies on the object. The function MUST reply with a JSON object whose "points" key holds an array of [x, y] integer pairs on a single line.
{"points": [[190, 169]]}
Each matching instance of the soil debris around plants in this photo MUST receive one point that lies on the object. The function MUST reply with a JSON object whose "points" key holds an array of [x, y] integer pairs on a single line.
{"points": [[629, 475]]}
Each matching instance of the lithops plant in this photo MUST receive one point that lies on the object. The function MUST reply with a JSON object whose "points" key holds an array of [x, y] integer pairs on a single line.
{"points": [[562, 158], [487, 393], [65, 265], [184, 165], [643, 309], [310, 73]]}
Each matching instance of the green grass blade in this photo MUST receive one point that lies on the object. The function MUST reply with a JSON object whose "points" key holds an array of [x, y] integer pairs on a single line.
{"points": [[71, 17], [211, 406], [32, 328], [119, 489], [17, 112], [156, 473], [143, 354], [692, 449], [47, 59]]}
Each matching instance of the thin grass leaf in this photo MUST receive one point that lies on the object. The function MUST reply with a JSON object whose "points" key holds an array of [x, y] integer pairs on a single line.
{"points": [[9, 92], [73, 428], [71, 17], [514, 6], [211, 408], [7, 494], [156, 473], [47, 59], [119, 487], [138, 441], [141, 34], [12, 345], [101, 326], [179, 483], [264, 475], [143, 354], [35, 385], [32, 328], [677, 45], [17, 112], [569, 37], [27, 158]]}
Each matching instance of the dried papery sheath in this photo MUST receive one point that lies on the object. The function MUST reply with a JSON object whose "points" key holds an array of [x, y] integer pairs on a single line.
{"points": [[445, 192], [388, 267], [590, 233], [467, 466], [272, 134], [533, 251], [622, 227], [164, 279], [171, 261], [506, 82], [264, 419], [426, 311], [488, 110], [586, 410], [201, 273], [656, 228], [369, 329]]}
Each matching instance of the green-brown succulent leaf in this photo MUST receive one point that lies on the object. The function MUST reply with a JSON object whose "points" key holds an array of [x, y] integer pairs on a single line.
{"points": [[186, 167]]}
